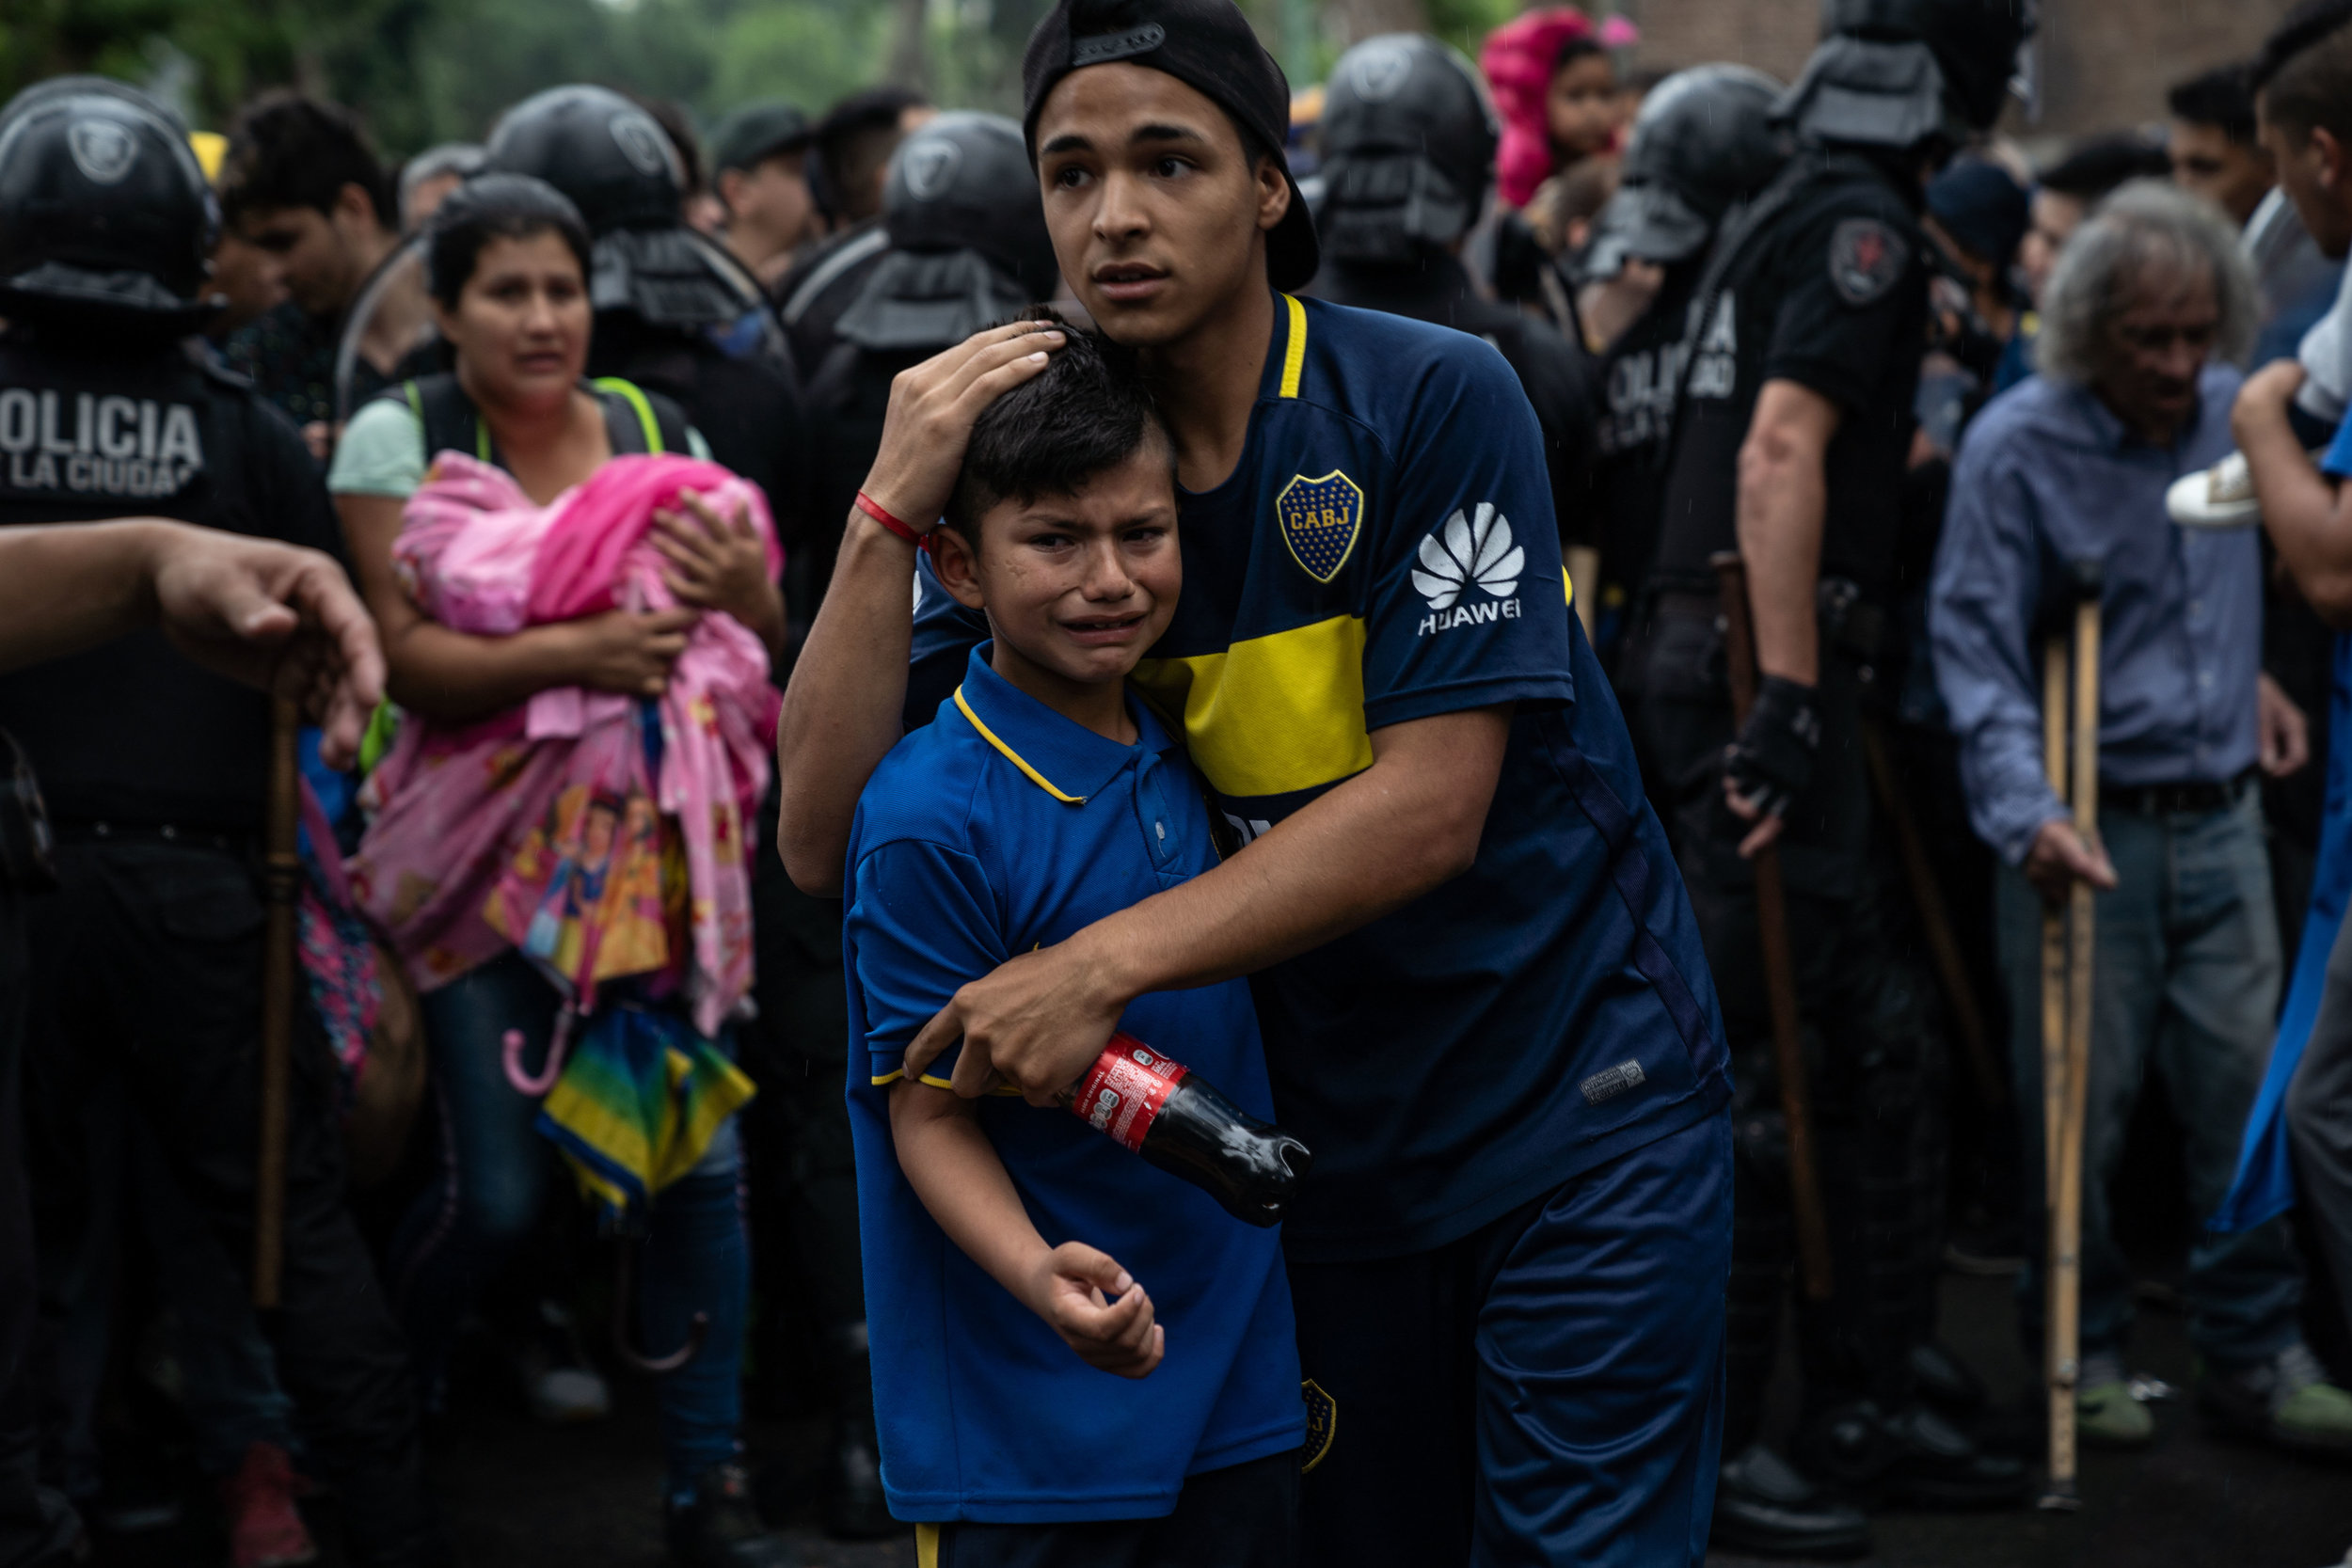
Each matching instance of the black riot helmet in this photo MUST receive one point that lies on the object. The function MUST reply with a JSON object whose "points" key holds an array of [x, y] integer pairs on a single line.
{"points": [[104, 212], [610, 156], [963, 181], [1901, 72], [1409, 149], [1704, 140], [968, 242], [81, 87], [617, 166]]}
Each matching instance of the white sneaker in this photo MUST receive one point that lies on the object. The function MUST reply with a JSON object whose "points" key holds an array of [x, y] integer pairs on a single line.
{"points": [[2220, 496], [559, 1383], [567, 1396]]}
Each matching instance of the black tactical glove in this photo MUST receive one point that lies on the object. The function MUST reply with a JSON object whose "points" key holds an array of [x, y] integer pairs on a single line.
{"points": [[1771, 761]]}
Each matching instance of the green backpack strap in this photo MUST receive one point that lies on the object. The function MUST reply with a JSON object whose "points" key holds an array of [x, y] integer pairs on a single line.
{"points": [[414, 392], [637, 400]]}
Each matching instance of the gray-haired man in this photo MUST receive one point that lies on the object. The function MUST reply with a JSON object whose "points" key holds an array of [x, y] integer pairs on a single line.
{"points": [[2149, 303]]}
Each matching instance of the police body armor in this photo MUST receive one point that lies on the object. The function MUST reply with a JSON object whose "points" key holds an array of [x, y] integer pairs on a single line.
{"points": [[108, 408], [1703, 143]]}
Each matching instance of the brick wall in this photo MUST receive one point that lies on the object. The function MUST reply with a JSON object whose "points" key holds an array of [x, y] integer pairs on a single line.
{"points": [[2104, 63]]}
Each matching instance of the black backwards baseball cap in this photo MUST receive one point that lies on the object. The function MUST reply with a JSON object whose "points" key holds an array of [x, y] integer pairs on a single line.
{"points": [[1207, 45], [757, 131]]}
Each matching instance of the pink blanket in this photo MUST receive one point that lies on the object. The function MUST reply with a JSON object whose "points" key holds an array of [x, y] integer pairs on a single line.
{"points": [[461, 811]]}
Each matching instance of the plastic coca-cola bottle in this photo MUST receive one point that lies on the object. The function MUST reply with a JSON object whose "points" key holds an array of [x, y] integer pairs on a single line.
{"points": [[1183, 1124]]}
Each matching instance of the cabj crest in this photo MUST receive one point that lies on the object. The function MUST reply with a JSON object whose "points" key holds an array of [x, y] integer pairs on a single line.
{"points": [[1321, 519]]}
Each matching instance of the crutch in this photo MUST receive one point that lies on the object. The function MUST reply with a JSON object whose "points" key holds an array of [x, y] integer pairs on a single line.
{"points": [[2066, 982], [1780, 972], [282, 872]]}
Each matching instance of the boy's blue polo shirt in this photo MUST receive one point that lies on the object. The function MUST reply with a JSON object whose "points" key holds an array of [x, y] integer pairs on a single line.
{"points": [[999, 828], [1384, 551]]}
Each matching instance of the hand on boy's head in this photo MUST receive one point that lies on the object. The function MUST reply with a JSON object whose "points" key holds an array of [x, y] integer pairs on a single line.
{"points": [[1098, 1309], [931, 410]]}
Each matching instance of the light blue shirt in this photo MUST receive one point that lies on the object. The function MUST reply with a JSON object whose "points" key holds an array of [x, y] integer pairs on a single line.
{"points": [[2048, 475]]}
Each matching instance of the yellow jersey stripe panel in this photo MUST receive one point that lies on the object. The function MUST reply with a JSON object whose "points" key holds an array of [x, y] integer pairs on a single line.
{"points": [[1271, 714], [1293, 348], [1015, 757], [926, 1547]]}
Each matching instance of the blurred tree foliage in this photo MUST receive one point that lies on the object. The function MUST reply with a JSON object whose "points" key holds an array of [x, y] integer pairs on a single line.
{"points": [[428, 70]]}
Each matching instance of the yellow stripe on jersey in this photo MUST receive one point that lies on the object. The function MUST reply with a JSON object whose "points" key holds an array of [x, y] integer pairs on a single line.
{"points": [[926, 1547], [1295, 349], [1271, 714], [1015, 757]]}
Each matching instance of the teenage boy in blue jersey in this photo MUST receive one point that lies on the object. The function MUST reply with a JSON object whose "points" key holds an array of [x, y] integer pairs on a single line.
{"points": [[1042, 798], [1484, 999]]}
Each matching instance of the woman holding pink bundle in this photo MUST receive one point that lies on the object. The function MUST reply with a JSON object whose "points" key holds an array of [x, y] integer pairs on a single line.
{"points": [[577, 618]]}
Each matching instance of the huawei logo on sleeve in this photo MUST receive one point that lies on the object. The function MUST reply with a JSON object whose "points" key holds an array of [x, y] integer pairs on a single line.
{"points": [[1473, 550]]}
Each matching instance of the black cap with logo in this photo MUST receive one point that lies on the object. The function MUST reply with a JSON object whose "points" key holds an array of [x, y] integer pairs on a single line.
{"points": [[1209, 46]]}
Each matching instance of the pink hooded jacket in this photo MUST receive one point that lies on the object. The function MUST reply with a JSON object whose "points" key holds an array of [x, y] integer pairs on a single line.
{"points": [[1518, 59]]}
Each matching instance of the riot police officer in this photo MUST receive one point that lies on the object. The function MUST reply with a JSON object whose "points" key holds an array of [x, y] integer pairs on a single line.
{"points": [[1409, 152], [1790, 441], [147, 957], [674, 315], [854, 145], [965, 245], [1704, 140]]}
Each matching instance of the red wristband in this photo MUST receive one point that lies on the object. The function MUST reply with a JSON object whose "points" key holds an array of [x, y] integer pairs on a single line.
{"points": [[873, 508]]}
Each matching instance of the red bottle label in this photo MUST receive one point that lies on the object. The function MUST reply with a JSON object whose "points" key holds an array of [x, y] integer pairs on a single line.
{"points": [[1122, 1093]]}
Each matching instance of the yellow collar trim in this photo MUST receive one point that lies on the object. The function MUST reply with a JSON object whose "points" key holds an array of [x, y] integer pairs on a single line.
{"points": [[1294, 347], [1015, 757]]}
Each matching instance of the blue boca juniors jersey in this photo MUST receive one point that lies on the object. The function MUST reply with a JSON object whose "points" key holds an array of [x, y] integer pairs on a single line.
{"points": [[1385, 551]]}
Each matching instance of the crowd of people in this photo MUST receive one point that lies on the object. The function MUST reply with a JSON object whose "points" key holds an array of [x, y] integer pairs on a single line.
{"points": [[605, 725]]}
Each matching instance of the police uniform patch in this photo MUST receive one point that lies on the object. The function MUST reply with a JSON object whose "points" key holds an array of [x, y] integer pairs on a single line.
{"points": [[1323, 1420], [1320, 518], [1865, 259]]}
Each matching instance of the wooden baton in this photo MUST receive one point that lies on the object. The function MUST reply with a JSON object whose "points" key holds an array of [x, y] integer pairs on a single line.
{"points": [[1780, 971]]}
